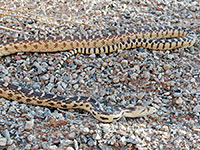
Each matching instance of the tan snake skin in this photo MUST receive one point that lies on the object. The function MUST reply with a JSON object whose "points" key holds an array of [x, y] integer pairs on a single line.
{"points": [[158, 38]]}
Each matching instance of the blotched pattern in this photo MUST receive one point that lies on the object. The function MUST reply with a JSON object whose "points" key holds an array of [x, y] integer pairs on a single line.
{"points": [[158, 38]]}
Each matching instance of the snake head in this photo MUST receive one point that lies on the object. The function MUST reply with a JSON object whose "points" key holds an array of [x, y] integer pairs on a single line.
{"points": [[138, 111]]}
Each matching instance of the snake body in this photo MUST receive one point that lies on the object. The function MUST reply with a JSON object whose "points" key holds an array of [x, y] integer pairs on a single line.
{"points": [[158, 38]]}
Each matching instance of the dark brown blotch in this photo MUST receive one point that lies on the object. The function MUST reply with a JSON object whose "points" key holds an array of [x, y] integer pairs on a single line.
{"points": [[10, 94], [116, 118], [75, 105], [64, 106], [58, 103], [93, 113], [28, 100], [46, 46], [39, 102], [56, 45], [103, 118], [143, 110], [15, 47], [52, 104], [164, 46], [5, 48], [35, 46], [64, 44], [25, 46], [18, 97]]}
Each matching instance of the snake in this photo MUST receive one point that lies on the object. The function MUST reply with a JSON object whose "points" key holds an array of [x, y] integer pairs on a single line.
{"points": [[156, 38]]}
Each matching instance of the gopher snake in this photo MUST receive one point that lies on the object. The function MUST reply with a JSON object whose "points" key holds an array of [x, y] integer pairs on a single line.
{"points": [[158, 38]]}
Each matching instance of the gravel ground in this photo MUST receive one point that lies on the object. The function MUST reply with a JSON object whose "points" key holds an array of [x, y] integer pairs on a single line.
{"points": [[167, 80]]}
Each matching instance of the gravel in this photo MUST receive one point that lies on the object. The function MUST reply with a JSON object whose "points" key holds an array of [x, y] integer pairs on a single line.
{"points": [[167, 80]]}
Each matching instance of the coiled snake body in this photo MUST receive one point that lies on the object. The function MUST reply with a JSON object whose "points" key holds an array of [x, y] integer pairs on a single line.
{"points": [[158, 38]]}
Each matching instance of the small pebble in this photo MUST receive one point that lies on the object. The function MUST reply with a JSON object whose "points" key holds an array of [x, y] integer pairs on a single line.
{"points": [[179, 101], [193, 91], [192, 80], [26, 79], [3, 141], [54, 147], [197, 109], [7, 79], [69, 148], [85, 130], [177, 94], [31, 138], [140, 95], [97, 137], [92, 56], [166, 66], [116, 80], [166, 101], [92, 143], [29, 125], [76, 145], [71, 135]]}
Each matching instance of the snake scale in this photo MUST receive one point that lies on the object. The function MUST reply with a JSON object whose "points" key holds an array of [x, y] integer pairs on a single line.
{"points": [[157, 38]]}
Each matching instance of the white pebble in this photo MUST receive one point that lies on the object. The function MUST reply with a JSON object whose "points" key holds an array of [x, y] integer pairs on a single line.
{"points": [[179, 101], [3, 141], [116, 80], [29, 125], [54, 147], [85, 130], [192, 80], [71, 135], [140, 95], [193, 91], [69, 148], [97, 137], [106, 127], [197, 109], [76, 145], [123, 140], [166, 66]]}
